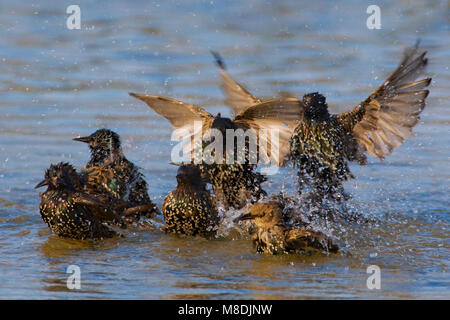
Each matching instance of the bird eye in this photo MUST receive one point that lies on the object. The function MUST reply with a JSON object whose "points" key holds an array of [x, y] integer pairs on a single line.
{"points": [[262, 214]]}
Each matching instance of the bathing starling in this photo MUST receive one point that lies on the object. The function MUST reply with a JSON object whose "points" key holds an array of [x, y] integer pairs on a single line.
{"points": [[275, 236], [323, 143], [189, 209], [110, 172], [70, 212], [234, 180]]}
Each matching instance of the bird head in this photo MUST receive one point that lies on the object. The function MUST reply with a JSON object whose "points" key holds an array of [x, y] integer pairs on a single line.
{"points": [[188, 174], [59, 176], [103, 144], [316, 107], [222, 124], [264, 215]]}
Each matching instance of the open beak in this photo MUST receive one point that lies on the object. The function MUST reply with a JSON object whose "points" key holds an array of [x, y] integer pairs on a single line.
{"points": [[243, 217], [41, 184], [82, 139]]}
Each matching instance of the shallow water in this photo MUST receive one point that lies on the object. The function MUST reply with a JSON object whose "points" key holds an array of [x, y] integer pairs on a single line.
{"points": [[57, 84]]}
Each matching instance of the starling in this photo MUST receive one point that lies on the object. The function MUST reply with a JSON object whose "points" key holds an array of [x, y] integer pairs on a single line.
{"points": [[70, 212], [234, 182], [189, 209], [111, 173], [275, 236], [323, 143]]}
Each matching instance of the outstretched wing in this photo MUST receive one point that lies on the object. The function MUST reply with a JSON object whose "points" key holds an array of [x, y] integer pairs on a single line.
{"points": [[278, 116], [237, 97], [186, 118], [385, 119], [180, 114]]}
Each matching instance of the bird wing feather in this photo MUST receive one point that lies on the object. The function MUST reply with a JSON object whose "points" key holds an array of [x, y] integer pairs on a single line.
{"points": [[299, 238], [181, 115], [97, 206], [385, 119], [236, 96], [282, 114]]}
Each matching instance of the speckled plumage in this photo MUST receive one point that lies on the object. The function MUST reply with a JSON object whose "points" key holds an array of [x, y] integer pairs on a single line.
{"points": [[111, 173], [274, 235], [320, 151], [189, 209], [69, 212], [323, 144], [237, 182]]}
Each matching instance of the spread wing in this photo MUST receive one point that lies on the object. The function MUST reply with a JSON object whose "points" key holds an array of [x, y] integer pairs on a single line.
{"points": [[385, 119], [185, 118], [237, 97], [281, 116]]}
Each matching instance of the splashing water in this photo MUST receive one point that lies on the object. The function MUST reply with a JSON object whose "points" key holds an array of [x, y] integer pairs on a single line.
{"points": [[397, 218]]}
